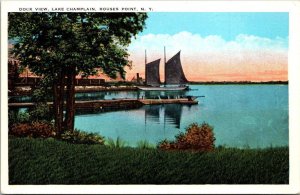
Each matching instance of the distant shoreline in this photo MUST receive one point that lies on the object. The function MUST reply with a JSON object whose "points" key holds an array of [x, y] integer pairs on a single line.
{"points": [[237, 82], [26, 90]]}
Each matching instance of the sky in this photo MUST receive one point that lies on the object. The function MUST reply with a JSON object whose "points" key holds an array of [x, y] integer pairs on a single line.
{"points": [[216, 46]]}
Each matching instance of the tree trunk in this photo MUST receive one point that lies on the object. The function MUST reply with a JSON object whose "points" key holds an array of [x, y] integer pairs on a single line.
{"points": [[56, 108], [70, 102], [58, 103], [61, 101]]}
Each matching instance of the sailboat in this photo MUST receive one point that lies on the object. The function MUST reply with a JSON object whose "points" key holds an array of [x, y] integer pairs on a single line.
{"points": [[175, 79]]}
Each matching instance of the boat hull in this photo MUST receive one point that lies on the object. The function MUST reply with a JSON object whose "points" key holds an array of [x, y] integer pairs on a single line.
{"points": [[162, 88]]}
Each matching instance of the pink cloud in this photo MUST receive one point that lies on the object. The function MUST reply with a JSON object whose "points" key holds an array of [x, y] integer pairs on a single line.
{"points": [[210, 58], [217, 66]]}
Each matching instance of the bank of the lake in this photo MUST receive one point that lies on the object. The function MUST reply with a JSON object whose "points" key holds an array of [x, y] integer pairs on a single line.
{"points": [[37, 161]]}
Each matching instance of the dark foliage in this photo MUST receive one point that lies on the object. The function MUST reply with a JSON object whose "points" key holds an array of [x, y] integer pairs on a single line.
{"points": [[34, 161], [41, 112], [15, 116], [42, 129], [81, 137], [34, 129], [59, 46]]}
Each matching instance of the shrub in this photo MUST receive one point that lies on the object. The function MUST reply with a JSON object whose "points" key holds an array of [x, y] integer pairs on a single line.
{"points": [[34, 129], [42, 93], [200, 137], [16, 116], [196, 138], [166, 145], [81, 137], [41, 112]]}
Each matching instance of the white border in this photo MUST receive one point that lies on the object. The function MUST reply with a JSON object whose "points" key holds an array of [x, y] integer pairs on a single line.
{"points": [[293, 7]]}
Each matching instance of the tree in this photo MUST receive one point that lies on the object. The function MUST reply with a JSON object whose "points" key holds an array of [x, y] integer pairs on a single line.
{"points": [[59, 46]]}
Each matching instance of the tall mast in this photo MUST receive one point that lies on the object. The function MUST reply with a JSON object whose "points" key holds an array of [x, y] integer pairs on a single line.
{"points": [[145, 66], [165, 54], [165, 63], [145, 57]]}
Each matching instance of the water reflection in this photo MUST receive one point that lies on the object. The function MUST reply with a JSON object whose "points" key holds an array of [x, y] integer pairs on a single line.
{"points": [[173, 114], [168, 113], [89, 96], [152, 113], [161, 94], [19, 99]]}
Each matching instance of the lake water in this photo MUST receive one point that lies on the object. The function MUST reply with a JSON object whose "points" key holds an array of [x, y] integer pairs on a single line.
{"points": [[242, 116]]}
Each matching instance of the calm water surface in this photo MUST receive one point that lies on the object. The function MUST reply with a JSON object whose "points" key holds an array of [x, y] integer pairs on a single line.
{"points": [[242, 116]]}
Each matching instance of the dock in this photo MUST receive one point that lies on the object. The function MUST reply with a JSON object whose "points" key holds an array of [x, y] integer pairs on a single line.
{"points": [[115, 104], [185, 101]]}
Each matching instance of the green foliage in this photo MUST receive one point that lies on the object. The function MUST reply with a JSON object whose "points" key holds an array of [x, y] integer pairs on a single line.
{"points": [[81, 137], [144, 144], [43, 93], [198, 138], [34, 129], [118, 143], [59, 46], [50, 42], [15, 116], [41, 112], [48, 161]]}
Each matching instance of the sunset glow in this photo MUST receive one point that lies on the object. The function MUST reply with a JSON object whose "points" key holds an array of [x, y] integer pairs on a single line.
{"points": [[217, 57]]}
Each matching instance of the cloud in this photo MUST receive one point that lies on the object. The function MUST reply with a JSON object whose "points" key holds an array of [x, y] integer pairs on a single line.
{"points": [[195, 42], [212, 55]]}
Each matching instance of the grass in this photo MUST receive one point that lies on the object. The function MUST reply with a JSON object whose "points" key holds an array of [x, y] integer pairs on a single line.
{"points": [[144, 144], [48, 161], [119, 143]]}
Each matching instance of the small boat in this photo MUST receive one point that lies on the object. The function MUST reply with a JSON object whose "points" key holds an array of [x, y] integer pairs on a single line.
{"points": [[175, 79]]}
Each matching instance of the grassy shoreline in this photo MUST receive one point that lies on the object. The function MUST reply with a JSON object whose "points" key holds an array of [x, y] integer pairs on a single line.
{"points": [[48, 161]]}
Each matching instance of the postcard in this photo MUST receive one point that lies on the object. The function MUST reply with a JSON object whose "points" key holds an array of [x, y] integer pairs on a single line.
{"points": [[143, 97]]}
